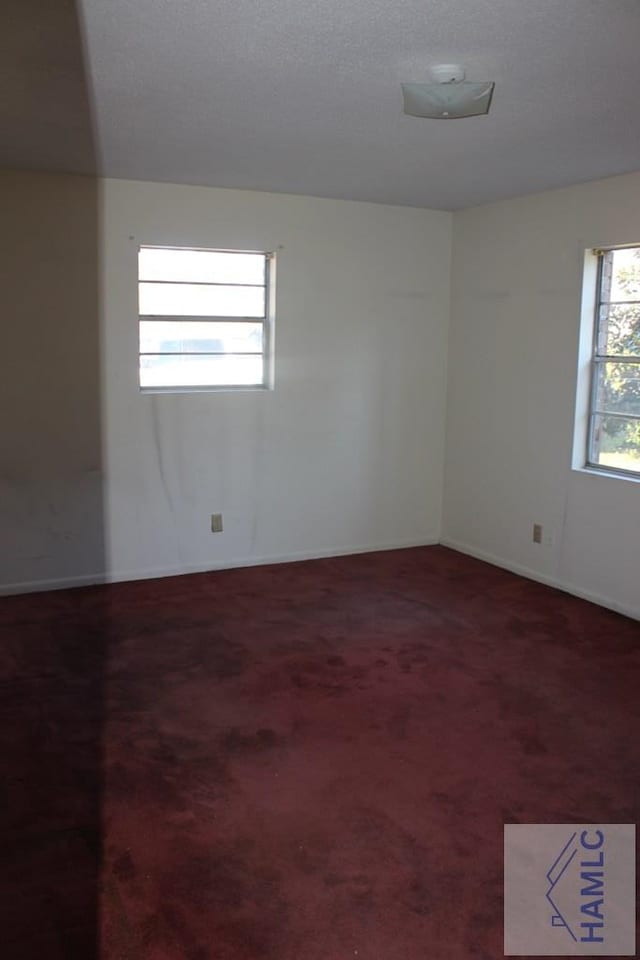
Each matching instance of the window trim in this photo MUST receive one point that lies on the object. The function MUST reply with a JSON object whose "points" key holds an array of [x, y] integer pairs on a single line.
{"points": [[267, 322], [594, 361]]}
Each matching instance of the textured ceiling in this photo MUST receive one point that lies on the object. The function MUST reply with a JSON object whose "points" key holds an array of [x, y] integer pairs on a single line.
{"points": [[303, 96]]}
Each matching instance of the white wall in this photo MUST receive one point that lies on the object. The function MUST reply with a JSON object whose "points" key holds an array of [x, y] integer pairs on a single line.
{"points": [[346, 453], [51, 520], [516, 286]]}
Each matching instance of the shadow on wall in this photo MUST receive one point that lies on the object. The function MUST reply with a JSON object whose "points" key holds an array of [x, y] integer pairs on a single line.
{"points": [[51, 499]]}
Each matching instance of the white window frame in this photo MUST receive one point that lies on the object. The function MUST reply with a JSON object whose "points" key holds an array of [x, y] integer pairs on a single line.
{"points": [[590, 358], [267, 322]]}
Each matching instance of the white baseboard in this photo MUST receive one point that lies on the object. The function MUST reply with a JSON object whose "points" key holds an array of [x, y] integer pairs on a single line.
{"points": [[154, 573], [530, 574], [55, 583]]}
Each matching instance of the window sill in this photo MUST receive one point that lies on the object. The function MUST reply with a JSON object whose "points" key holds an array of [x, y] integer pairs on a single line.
{"points": [[610, 474], [223, 388]]}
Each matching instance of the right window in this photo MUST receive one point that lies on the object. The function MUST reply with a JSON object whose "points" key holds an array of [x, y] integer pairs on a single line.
{"points": [[614, 415]]}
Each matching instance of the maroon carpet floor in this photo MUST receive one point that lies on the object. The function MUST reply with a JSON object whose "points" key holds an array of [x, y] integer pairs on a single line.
{"points": [[309, 761]]}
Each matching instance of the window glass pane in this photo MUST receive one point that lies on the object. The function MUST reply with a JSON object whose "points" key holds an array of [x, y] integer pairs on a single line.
{"points": [[625, 276], [618, 387], [205, 266], [200, 371], [183, 336], [183, 299], [616, 443], [619, 330]]}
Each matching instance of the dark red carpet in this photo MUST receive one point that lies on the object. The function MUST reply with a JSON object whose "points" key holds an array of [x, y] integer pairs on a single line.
{"points": [[309, 761]]}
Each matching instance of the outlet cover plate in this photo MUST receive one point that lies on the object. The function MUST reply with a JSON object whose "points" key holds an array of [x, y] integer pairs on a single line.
{"points": [[216, 523]]}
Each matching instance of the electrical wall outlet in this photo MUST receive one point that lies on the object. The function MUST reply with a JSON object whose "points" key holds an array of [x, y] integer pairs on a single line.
{"points": [[537, 533], [216, 523]]}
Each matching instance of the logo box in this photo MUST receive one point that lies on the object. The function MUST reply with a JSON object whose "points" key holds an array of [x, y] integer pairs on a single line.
{"points": [[569, 889]]}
